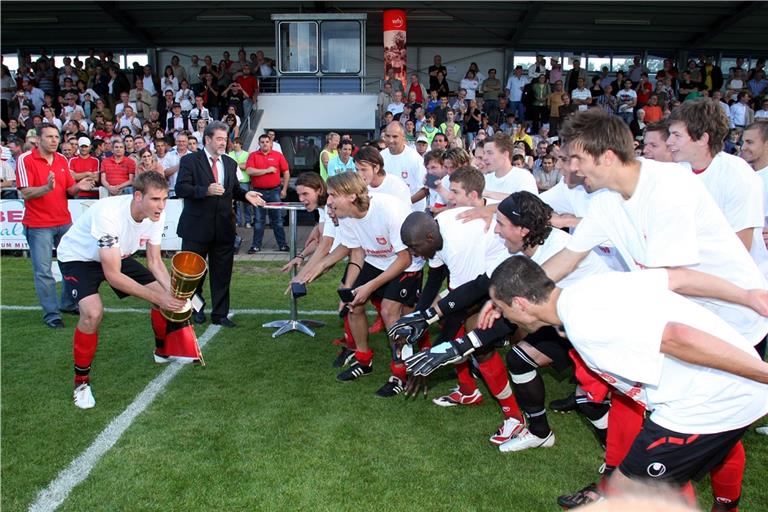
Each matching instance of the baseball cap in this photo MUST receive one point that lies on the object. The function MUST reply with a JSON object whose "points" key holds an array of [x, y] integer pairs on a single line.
{"points": [[83, 141], [422, 138]]}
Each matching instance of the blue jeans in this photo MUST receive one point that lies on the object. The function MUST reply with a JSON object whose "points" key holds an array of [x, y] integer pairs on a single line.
{"points": [[244, 210], [270, 195], [41, 242], [519, 109]]}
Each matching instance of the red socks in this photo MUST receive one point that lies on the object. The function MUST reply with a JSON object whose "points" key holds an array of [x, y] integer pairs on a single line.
{"points": [[364, 358], [159, 326], [348, 338], [727, 477], [398, 370], [495, 375], [84, 348], [467, 384]]}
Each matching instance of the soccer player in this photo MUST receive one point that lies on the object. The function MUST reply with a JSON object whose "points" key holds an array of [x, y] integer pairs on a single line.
{"points": [[700, 379], [523, 224], [656, 215], [696, 133], [380, 266], [462, 251], [99, 247]]}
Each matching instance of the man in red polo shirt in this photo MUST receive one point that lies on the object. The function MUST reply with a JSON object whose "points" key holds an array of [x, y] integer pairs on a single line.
{"points": [[265, 167], [44, 182], [84, 165], [118, 170]]}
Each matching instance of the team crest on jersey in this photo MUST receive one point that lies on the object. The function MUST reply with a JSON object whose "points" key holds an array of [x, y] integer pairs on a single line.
{"points": [[404, 174], [382, 240]]}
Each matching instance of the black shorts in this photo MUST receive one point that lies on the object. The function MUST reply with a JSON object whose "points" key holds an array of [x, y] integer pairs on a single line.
{"points": [[85, 277], [547, 341], [661, 454], [404, 288]]}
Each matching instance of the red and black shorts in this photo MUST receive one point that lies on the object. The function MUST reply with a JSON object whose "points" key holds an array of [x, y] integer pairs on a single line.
{"points": [[404, 288], [85, 277], [662, 454]]}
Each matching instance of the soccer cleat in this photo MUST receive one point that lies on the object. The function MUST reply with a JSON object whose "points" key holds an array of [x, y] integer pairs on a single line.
{"points": [[587, 495], [566, 404], [83, 397], [163, 359], [508, 430], [393, 386], [354, 372], [524, 440], [344, 358], [762, 430], [456, 397]]}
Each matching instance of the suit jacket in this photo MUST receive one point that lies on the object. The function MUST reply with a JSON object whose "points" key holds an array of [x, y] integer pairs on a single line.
{"points": [[207, 218]]}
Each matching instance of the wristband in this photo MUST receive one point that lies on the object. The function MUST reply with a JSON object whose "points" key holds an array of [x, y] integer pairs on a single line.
{"points": [[355, 264]]}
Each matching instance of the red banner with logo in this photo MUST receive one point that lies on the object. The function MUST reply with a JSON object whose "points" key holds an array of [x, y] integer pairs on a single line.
{"points": [[395, 57]]}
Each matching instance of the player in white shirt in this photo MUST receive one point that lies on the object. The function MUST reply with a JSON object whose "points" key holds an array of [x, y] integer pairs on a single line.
{"points": [[313, 194], [523, 224], [655, 215], [467, 254], [696, 134], [405, 162], [505, 179], [701, 381], [379, 265], [99, 247], [369, 164], [755, 151]]}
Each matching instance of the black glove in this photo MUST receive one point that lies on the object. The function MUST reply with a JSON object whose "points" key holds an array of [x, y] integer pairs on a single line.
{"points": [[448, 352], [412, 326]]}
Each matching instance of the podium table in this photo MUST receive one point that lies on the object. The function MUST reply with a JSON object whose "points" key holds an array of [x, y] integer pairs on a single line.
{"points": [[292, 324]]}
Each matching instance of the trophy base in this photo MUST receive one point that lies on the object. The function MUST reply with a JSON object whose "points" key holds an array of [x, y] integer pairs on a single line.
{"points": [[286, 326]]}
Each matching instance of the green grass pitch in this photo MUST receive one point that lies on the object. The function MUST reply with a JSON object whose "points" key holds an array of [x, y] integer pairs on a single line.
{"points": [[266, 426]]}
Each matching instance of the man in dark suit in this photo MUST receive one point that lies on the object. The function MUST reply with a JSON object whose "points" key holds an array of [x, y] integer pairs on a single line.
{"points": [[208, 183]]}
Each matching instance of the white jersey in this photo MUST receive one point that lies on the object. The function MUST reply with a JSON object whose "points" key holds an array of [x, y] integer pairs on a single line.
{"points": [[378, 233], [671, 220], [409, 166], [616, 322], [515, 180], [109, 223], [468, 249], [329, 228], [575, 201], [763, 174], [393, 186], [738, 192], [556, 242]]}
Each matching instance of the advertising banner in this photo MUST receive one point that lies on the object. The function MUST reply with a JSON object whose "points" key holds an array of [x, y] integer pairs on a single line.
{"points": [[395, 56]]}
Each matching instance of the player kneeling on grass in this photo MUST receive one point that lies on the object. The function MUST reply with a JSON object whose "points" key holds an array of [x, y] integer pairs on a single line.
{"points": [[380, 266], [100, 247], [701, 380]]}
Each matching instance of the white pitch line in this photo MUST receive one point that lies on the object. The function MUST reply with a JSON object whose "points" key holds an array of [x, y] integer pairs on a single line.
{"points": [[58, 490], [324, 312]]}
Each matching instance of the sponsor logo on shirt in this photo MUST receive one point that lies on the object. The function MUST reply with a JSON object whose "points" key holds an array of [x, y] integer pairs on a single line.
{"points": [[656, 469]]}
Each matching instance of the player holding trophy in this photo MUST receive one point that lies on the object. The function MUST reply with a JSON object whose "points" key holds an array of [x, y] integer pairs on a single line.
{"points": [[99, 247]]}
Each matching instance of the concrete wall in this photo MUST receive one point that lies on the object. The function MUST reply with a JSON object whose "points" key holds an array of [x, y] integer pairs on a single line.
{"points": [[315, 112]]}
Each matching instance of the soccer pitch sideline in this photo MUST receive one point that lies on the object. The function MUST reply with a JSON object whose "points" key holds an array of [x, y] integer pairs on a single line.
{"points": [[265, 425]]}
